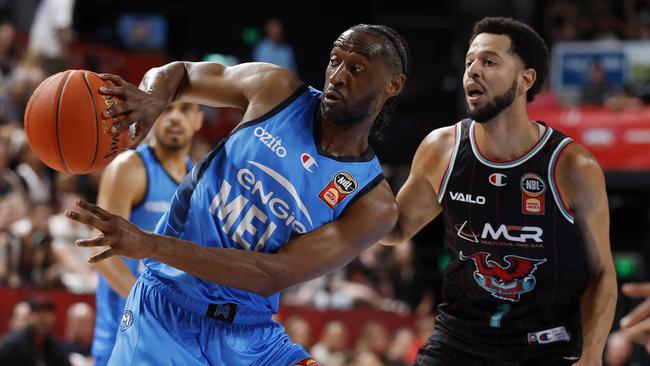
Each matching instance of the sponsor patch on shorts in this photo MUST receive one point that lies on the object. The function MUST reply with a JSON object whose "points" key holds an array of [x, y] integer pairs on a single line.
{"points": [[549, 336]]}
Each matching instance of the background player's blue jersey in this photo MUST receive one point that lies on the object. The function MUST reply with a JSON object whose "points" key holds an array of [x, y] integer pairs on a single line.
{"points": [[160, 189], [266, 183]]}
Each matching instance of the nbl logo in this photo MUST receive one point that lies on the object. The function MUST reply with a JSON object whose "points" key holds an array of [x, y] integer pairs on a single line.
{"points": [[340, 187], [532, 185], [532, 194]]}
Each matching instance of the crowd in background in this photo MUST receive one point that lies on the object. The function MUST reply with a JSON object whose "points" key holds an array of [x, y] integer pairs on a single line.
{"points": [[37, 248]]}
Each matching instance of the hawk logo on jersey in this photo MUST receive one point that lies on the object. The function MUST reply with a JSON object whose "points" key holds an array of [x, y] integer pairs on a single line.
{"points": [[308, 162], [506, 283], [340, 187], [532, 194], [127, 320]]}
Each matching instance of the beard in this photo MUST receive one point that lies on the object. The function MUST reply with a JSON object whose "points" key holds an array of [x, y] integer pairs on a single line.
{"points": [[496, 106], [351, 116], [172, 143]]}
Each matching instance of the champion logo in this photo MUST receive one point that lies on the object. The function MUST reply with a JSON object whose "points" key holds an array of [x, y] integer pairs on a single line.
{"points": [[308, 162], [498, 179]]}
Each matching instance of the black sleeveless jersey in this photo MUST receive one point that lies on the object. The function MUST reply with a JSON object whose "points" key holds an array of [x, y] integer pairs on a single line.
{"points": [[512, 289]]}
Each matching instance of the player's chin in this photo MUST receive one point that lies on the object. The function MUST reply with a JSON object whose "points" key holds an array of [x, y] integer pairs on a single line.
{"points": [[176, 143], [334, 114]]}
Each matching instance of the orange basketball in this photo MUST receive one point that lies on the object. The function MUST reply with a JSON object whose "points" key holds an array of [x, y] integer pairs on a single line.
{"points": [[65, 126]]}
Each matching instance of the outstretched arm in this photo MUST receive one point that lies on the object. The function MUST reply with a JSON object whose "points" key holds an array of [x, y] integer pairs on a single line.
{"points": [[303, 258], [253, 87], [582, 185], [417, 199]]}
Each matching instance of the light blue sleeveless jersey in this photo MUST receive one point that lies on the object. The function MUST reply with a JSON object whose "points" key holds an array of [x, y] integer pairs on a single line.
{"points": [[110, 305], [267, 182]]}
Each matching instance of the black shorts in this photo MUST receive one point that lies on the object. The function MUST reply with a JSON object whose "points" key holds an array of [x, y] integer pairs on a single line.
{"points": [[435, 353]]}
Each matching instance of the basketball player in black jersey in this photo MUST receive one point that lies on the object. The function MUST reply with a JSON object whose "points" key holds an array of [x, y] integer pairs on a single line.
{"points": [[525, 210]]}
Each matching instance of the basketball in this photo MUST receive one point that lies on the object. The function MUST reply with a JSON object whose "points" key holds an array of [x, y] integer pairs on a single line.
{"points": [[65, 127]]}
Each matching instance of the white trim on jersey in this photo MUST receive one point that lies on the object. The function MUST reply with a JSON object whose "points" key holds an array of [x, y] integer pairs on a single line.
{"points": [[551, 179], [509, 164]]}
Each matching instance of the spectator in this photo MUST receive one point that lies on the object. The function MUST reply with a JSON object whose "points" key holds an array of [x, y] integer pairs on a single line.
{"points": [[51, 34], [273, 48], [19, 316], [35, 176], [10, 248], [330, 349], [9, 54], [80, 319], [626, 99], [13, 199], [299, 331], [366, 358], [34, 345], [423, 329], [16, 90], [374, 339], [402, 274], [398, 353], [33, 261], [597, 89]]}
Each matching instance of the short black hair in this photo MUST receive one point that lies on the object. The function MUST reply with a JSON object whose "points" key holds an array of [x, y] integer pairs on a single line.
{"points": [[398, 57], [526, 43]]}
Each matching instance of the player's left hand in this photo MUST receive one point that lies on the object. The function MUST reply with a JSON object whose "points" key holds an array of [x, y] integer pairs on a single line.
{"points": [[639, 333], [642, 311], [121, 236]]}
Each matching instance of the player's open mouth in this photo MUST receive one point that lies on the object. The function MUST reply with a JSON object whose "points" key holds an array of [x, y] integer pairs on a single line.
{"points": [[474, 93], [332, 96]]}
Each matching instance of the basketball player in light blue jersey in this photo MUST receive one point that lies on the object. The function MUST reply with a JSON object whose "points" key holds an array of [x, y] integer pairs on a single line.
{"points": [[139, 185], [293, 193]]}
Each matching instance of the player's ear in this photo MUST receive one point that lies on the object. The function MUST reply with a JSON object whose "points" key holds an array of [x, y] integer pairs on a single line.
{"points": [[395, 85], [527, 79]]}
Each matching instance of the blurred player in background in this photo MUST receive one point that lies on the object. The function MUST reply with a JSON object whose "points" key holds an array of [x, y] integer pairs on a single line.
{"points": [[139, 184]]}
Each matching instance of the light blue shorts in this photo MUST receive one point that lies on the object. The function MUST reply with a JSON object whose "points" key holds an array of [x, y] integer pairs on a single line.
{"points": [[161, 326]]}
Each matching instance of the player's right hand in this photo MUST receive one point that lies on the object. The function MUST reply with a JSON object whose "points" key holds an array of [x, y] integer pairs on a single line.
{"points": [[138, 107], [119, 235]]}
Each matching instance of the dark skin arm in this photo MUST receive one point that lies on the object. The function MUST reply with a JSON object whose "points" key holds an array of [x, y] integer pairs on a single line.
{"points": [[303, 258], [253, 87]]}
